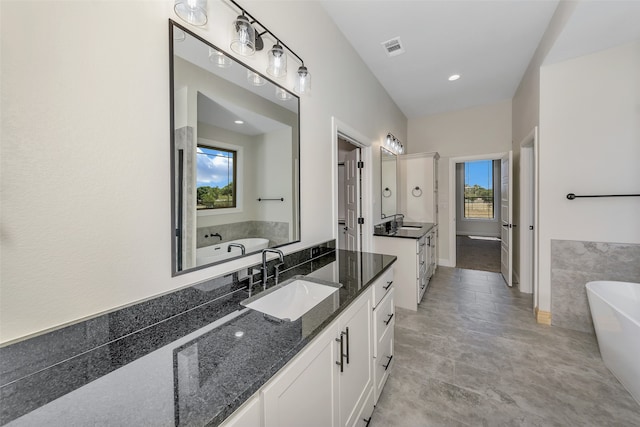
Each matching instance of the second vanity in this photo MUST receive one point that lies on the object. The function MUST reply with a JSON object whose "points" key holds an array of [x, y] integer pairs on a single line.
{"points": [[414, 244]]}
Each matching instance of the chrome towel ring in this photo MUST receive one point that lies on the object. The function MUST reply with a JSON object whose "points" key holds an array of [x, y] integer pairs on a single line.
{"points": [[416, 192], [386, 193]]}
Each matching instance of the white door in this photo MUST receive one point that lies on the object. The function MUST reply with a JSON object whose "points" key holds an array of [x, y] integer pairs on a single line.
{"points": [[506, 213], [352, 199]]}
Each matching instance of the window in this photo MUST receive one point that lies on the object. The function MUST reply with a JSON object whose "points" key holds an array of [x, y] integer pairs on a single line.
{"points": [[478, 190], [216, 178]]}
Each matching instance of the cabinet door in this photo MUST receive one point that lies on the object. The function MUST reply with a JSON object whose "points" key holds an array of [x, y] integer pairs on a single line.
{"points": [[355, 380], [304, 393], [248, 415]]}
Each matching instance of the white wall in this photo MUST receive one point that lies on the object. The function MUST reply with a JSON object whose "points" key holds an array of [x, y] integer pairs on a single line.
{"points": [[589, 144], [474, 131], [526, 106], [85, 203]]}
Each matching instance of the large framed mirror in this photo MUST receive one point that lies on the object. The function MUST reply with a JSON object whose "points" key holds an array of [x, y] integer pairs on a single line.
{"points": [[235, 145], [389, 179]]}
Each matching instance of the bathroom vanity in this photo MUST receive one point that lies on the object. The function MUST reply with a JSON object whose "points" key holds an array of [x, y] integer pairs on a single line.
{"points": [[414, 244], [209, 356]]}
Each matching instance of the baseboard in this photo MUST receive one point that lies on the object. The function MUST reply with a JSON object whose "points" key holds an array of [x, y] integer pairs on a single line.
{"points": [[477, 233], [543, 317], [445, 262]]}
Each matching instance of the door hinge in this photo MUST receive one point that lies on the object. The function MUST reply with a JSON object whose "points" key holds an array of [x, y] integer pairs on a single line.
{"points": [[360, 164], [360, 220]]}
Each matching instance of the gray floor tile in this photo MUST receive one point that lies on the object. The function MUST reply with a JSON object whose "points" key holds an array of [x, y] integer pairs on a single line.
{"points": [[473, 355]]}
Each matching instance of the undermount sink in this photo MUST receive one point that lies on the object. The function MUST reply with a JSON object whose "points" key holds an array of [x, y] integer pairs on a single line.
{"points": [[292, 299]]}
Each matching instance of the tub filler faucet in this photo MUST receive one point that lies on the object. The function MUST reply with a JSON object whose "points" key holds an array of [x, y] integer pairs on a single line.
{"points": [[263, 269], [236, 245]]}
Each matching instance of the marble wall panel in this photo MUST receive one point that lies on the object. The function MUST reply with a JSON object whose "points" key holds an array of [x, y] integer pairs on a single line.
{"points": [[574, 264]]}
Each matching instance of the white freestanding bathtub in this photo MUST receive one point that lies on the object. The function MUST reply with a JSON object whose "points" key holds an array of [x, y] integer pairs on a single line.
{"points": [[615, 309], [219, 252]]}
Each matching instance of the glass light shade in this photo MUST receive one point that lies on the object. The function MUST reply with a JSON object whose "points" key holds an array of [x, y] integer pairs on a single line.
{"points": [[219, 58], [388, 140], [277, 61], [303, 81], [255, 79], [243, 36], [282, 94], [192, 11]]}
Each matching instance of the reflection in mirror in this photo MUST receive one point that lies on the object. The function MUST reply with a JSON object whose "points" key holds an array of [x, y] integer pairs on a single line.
{"points": [[388, 185], [235, 153]]}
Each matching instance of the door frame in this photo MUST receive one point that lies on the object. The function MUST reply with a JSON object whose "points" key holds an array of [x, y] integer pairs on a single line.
{"points": [[365, 144], [529, 175], [452, 196]]}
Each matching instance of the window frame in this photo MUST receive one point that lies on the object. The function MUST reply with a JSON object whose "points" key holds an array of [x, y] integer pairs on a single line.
{"points": [[493, 189], [238, 172]]}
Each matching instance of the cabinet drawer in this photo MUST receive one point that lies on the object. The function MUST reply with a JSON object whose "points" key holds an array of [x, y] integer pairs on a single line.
{"points": [[384, 316], [382, 286], [383, 362]]}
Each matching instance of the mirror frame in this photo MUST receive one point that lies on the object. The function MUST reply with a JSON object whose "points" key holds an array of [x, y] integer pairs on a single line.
{"points": [[176, 215]]}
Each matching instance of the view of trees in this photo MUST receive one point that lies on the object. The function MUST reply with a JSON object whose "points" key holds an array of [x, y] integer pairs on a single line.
{"points": [[209, 197], [478, 202]]}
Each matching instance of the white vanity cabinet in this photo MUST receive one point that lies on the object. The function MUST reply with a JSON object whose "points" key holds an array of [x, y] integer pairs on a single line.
{"points": [[248, 415], [383, 331], [330, 383], [414, 267]]}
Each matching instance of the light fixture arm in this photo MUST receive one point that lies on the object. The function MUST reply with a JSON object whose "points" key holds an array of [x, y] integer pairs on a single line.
{"points": [[265, 30]]}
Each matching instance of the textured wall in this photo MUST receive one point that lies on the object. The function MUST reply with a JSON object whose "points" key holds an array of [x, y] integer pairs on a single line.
{"points": [[573, 264]]}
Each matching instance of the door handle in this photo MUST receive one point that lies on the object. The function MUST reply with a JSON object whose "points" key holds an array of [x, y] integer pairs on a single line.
{"points": [[347, 334], [341, 362]]}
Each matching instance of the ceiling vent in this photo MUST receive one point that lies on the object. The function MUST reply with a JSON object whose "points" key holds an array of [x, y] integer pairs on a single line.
{"points": [[393, 47]]}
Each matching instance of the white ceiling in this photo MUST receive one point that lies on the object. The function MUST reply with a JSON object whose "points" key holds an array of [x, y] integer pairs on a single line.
{"points": [[488, 42]]}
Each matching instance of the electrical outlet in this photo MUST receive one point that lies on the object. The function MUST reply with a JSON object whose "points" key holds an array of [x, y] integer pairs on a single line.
{"points": [[315, 251]]}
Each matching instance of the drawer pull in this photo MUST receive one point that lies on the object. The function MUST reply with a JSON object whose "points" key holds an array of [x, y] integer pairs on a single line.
{"points": [[388, 285], [367, 421], [386, 322], [388, 363]]}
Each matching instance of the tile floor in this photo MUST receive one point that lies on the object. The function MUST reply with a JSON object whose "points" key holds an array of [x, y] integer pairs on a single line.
{"points": [[472, 355]]}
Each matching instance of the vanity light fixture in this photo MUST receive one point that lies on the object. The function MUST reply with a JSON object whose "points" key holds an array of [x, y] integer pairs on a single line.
{"points": [[255, 79], [303, 81], [277, 61], [394, 144], [246, 40], [219, 58], [193, 12], [243, 36], [282, 94]]}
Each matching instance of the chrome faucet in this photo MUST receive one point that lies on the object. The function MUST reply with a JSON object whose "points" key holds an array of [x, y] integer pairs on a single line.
{"points": [[216, 235], [263, 269], [236, 245]]}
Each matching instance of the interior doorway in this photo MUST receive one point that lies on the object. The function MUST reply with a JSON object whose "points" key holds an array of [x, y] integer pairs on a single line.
{"points": [[349, 200], [475, 199], [528, 214]]}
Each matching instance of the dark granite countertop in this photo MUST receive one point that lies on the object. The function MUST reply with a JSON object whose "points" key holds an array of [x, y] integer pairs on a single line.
{"points": [[409, 230], [188, 376]]}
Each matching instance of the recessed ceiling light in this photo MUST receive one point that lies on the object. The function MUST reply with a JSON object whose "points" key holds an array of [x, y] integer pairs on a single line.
{"points": [[454, 77], [239, 122]]}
